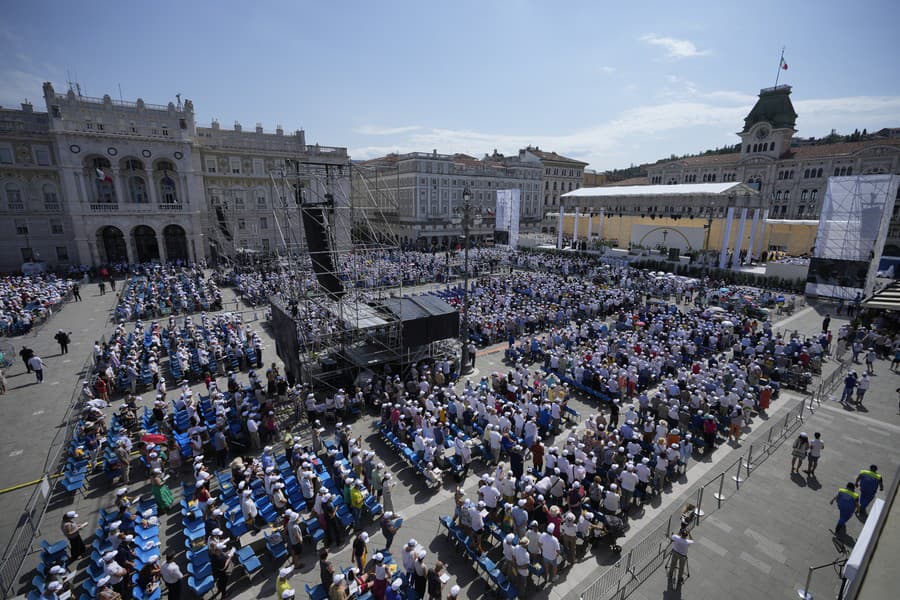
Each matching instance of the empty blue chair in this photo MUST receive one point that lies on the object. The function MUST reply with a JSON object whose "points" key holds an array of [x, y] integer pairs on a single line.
{"points": [[200, 587]]}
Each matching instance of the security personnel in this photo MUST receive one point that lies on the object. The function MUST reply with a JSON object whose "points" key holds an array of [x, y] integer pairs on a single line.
{"points": [[869, 482], [847, 501]]}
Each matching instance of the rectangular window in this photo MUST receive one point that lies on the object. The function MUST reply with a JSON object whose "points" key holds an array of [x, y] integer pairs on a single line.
{"points": [[265, 244], [21, 227], [263, 223], [62, 253], [242, 225], [6, 155], [235, 164], [260, 202], [259, 166], [238, 200], [56, 226], [42, 157], [210, 165]]}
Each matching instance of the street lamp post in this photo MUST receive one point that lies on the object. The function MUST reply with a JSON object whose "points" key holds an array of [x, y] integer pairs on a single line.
{"points": [[466, 219]]}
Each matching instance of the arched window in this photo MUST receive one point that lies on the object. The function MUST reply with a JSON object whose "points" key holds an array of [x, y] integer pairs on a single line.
{"points": [[778, 195], [164, 165], [787, 195], [813, 195], [137, 188], [99, 171], [167, 190]]}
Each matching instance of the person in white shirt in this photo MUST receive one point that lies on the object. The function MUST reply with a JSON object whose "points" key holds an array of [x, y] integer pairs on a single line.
{"points": [[549, 552], [522, 562], [681, 541], [569, 533], [171, 575], [815, 451]]}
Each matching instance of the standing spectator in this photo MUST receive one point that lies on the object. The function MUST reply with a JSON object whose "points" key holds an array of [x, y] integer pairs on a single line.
{"points": [[815, 452], [221, 561], [72, 531], [861, 388], [798, 452], [825, 323], [102, 286], [850, 383], [172, 576], [388, 529], [870, 360], [37, 365], [549, 552], [435, 585], [62, 338], [869, 482], [124, 457], [76, 292], [25, 354]]}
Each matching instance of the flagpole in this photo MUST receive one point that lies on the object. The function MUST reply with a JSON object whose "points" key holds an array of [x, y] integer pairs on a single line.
{"points": [[780, 62]]}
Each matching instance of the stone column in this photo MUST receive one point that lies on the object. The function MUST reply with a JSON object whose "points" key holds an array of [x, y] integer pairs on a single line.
{"points": [[726, 237], [151, 187], [575, 228], [600, 223], [161, 244], [130, 248], [736, 262], [751, 248], [559, 227], [590, 220], [117, 186]]}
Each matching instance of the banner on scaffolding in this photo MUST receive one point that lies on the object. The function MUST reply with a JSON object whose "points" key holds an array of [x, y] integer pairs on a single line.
{"points": [[853, 227], [506, 228]]}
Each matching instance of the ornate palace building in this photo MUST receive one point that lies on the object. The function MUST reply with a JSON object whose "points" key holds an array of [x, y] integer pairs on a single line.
{"points": [[97, 180]]}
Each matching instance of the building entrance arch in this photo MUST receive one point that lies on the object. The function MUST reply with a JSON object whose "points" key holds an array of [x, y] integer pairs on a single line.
{"points": [[175, 242], [112, 241], [146, 245]]}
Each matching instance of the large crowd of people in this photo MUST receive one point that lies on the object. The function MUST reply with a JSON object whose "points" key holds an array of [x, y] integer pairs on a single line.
{"points": [[667, 378], [165, 290], [27, 300]]}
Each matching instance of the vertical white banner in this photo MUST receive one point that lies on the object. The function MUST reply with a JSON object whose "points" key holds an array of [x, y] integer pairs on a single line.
{"points": [[515, 207]]}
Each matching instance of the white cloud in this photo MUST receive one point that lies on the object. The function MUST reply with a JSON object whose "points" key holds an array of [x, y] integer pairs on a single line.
{"points": [[693, 123], [19, 85], [674, 48], [376, 130], [606, 69]]}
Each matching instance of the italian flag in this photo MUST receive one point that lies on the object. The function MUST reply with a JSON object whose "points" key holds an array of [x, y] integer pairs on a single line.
{"points": [[783, 64], [102, 176]]}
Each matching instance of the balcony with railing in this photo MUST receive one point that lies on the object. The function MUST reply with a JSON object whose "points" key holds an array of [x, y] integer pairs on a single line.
{"points": [[13, 205], [104, 206], [52, 206], [169, 206]]}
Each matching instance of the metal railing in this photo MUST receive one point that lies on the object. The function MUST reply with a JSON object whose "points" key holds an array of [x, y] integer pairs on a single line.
{"points": [[28, 528], [641, 561]]}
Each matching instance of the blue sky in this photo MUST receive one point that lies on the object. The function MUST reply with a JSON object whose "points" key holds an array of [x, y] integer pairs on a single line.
{"points": [[610, 83]]}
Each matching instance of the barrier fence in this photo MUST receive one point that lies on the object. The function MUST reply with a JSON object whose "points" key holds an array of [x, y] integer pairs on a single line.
{"points": [[28, 527], [640, 562]]}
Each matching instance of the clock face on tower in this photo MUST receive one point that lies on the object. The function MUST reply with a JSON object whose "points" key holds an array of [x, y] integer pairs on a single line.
{"points": [[762, 133]]}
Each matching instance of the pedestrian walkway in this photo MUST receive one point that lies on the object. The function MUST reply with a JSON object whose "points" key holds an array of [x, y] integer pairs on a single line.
{"points": [[761, 543]]}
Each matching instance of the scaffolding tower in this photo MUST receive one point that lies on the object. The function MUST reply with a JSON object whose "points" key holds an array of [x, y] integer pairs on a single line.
{"points": [[339, 334]]}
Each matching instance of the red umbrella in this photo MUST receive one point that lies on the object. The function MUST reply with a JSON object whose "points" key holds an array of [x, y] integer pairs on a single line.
{"points": [[154, 438]]}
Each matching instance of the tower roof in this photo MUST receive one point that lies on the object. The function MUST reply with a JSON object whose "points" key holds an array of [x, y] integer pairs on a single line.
{"points": [[774, 107]]}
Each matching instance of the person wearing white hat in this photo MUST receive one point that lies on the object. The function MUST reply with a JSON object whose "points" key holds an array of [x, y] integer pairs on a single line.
{"points": [[549, 552], [420, 573], [72, 531], [282, 582], [115, 572], [361, 550], [338, 589]]}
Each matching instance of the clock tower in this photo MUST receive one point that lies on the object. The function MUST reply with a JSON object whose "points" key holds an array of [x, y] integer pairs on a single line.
{"points": [[769, 127]]}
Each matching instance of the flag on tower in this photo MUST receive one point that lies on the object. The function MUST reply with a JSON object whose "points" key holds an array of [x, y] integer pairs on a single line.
{"points": [[783, 64], [102, 176]]}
